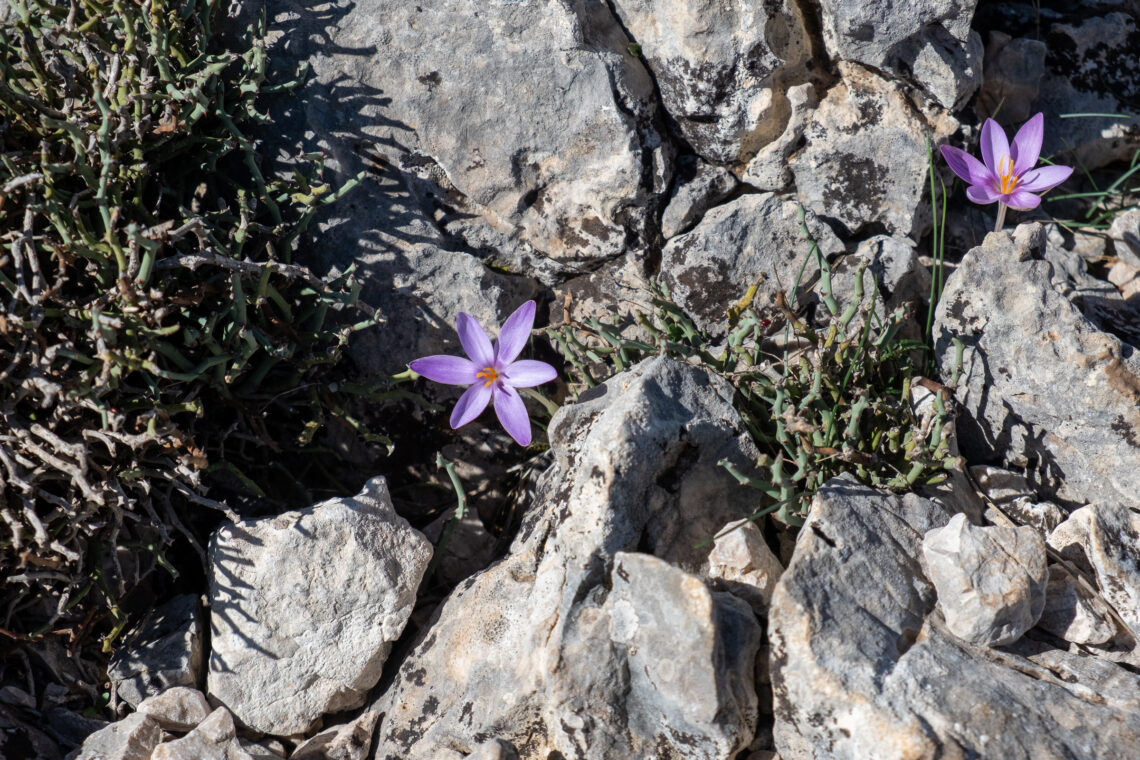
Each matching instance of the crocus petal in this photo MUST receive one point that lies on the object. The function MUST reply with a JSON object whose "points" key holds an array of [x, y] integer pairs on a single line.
{"points": [[471, 404], [1022, 200], [511, 411], [1044, 178], [527, 373], [1026, 148], [515, 334], [982, 194], [475, 342], [966, 166], [451, 370], [994, 145]]}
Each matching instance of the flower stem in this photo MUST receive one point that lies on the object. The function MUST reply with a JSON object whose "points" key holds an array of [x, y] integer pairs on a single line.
{"points": [[1001, 217]]}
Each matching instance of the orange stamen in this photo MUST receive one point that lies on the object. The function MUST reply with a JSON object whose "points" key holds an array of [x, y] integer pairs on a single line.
{"points": [[1008, 179], [490, 374]]}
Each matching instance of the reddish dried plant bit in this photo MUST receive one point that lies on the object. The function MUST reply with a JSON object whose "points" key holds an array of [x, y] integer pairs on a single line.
{"points": [[492, 372]]}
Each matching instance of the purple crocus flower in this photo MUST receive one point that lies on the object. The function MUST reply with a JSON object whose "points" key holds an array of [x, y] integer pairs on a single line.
{"points": [[1007, 174], [493, 371]]}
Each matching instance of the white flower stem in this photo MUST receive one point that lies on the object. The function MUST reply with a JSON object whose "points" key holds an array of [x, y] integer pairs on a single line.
{"points": [[1001, 217]]}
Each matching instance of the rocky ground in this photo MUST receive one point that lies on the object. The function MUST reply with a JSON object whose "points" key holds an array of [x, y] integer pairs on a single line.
{"points": [[574, 151]]}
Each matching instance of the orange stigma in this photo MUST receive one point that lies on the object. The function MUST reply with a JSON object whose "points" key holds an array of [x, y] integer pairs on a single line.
{"points": [[489, 374], [1008, 178]]}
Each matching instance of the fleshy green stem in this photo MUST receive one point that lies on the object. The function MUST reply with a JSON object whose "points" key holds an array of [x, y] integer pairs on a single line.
{"points": [[1001, 217]]}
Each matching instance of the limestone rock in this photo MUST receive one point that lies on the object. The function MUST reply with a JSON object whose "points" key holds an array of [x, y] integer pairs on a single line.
{"points": [[742, 564], [132, 738], [469, 546], [931, 42], [990, 580], [266, 749], [535, 116], [1106, 538], [493, 749], [1126, 278], [680, 643], [215, 738], [1072, 614], [999, 484], [1039, 381], [1012, 75], [1125, 236], [165, 652], [862, 666], [864, 159], [754, 238], [305, 607], [722, 67], [1091, 67], [699, 187], [351, 741], [538, 650], [177, 709], [1043, 516], [768, 169]]}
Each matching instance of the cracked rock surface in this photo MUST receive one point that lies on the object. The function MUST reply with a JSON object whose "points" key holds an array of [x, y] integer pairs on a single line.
{"points": [[592, 636], [305, 606], [863, 666]]}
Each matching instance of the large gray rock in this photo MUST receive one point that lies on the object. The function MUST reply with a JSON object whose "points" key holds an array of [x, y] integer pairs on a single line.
{"points": [[768, 169], [178, 709], [862, 666], [1041, 384], [305, 607], [892, 265], [1013, 70], [1091, 68], [930, 42], [132, 738], [215, 738], [990, 579], [742, 564], [864, 160], [573, 645], [754, 238], [532, 115], [165, 652], [351, 741], [1106, 538], [722, 67], [1071, 613], [1125, 236], [698, 186]]}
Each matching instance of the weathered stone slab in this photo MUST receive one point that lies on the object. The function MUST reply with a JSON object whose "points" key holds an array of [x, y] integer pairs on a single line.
{"points": [[754, 239], [863, 667], [305, 607], [557, 647], [1042, 384], [990, 579], [722, 67], [864, 160], [930, 42]]}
